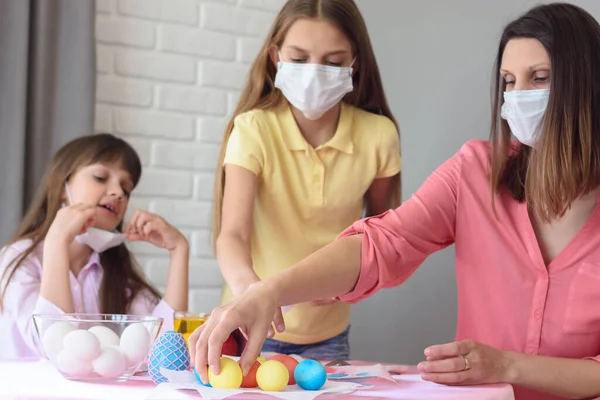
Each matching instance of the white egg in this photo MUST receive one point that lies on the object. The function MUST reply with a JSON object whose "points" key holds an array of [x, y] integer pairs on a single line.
{"points": [[73, 366], [135, 343], [106, 336], [82, 344], [110, 363], [53, 338]]}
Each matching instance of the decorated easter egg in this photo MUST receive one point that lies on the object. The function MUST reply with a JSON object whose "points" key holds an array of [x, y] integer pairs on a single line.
{"points": [[135, 343], [106, 336], [199, 379], [82, 344], [310, 375], [249, 380], [230, 376], [272, 376], [53, 338], [289, 362], [170, 351], [110, 363]]}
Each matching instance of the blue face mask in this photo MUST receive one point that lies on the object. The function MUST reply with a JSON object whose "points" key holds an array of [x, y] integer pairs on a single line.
{"points": [[98, 240], [524, 111]]}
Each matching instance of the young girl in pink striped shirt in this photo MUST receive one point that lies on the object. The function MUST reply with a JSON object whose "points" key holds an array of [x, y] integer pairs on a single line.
{"points": [[524, 217], [69, 255]]}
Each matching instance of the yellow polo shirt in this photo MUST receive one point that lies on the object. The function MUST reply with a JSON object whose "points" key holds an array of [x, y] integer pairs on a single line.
{"points": [[307, 196]]}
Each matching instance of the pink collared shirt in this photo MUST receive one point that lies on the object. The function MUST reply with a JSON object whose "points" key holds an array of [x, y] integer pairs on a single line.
{"points": [[507, 297], [18, 338]]}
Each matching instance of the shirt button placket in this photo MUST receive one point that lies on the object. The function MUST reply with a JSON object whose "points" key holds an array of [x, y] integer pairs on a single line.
{"points": [[539, 300]]}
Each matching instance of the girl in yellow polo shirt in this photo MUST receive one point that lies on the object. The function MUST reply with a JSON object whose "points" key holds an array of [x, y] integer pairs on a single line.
{"points": [[312, 145]]}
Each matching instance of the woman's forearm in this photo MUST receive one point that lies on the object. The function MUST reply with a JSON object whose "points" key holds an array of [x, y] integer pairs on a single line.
{"points": [[563, 377], [328, 272]]}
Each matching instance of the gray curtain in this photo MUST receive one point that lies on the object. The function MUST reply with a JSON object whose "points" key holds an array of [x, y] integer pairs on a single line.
{"points": [[47, 92]]}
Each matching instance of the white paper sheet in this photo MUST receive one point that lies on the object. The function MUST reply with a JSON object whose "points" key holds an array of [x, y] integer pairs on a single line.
{"points": [[186, 380]]}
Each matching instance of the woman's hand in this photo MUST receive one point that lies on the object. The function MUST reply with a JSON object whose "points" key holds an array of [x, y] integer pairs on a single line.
{"points": [[71, 221], [151, 228], [465, 363], [252, 312], [278, 322]]}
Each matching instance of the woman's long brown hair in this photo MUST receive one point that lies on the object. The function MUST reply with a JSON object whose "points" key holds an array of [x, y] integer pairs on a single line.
{"points": [[122, 279], [260, 93], [565, 163]]}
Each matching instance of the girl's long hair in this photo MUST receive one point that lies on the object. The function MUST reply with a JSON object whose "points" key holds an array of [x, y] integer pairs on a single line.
{"points": [[260, 93], [122, 279]]}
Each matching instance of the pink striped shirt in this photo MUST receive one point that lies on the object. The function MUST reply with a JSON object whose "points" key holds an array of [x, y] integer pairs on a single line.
{"points": [[507, 297], [18, 337]]}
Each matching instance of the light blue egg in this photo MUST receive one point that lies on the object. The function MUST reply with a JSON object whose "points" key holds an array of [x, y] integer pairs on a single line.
{"points": [[200, 379], [170, 351], [310, 375]]}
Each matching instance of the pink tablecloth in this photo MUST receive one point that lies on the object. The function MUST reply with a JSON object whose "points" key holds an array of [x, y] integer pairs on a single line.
{"points": [[39, 381]]}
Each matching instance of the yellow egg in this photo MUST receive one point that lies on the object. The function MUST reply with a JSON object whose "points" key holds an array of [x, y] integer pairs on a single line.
{"points": [[272, 376], [230, 376], [261, 359]]}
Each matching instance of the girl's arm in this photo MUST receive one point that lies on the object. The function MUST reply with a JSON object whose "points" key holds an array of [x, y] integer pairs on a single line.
{"points": [[56, 283], [385, 192], [380, 196], [177, 289], [233, 242], [152, 228]]}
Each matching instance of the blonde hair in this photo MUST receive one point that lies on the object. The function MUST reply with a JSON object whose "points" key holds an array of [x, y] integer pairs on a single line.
{"points": [[259, 91]]}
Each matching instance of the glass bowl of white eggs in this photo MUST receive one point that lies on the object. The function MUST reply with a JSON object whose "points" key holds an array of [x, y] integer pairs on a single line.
{"points": [[96, 347]]}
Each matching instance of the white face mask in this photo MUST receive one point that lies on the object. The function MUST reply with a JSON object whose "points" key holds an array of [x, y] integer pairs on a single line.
{"points": [[524, 110], [98, 240], [313, 89]]}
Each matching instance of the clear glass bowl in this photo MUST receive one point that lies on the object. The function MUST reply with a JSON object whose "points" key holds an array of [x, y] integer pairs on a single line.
{"points": [[96, 347]]}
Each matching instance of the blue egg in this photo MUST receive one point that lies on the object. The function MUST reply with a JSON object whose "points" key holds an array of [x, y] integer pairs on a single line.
{"points": [[200, 379], [310, 375], [170, 351]]}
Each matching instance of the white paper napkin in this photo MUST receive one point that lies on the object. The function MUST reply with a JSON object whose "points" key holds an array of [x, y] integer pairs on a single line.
{"points": [[186, 380]]}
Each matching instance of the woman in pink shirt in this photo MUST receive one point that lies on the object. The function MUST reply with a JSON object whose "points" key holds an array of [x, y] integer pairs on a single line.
{"points": [[68, 254], [523, 215]]}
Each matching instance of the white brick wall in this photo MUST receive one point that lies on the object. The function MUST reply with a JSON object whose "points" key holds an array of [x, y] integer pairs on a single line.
{"points": [[169, 74]]}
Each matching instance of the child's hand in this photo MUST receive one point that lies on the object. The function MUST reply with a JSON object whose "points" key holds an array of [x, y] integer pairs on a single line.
{"points": [[71, 221], [153, 229]]}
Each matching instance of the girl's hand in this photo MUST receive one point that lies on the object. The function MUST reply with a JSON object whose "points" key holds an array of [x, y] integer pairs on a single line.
{"points": [[252, 312], [465, 363], [71, 221], [153, 229]]}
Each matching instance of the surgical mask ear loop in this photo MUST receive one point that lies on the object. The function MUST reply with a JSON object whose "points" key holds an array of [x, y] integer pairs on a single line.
{"points": [[68, 192]]}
